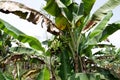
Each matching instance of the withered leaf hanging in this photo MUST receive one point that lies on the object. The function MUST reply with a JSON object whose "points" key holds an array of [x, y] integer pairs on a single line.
{"points": [[28, 14]]}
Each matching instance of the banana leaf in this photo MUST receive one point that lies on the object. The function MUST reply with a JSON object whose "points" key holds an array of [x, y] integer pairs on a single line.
{"points": [[17, 34]]}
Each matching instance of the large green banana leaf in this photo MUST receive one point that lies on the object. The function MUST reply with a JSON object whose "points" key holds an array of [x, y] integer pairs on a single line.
{"points": [[101, 26], [33, 42], [95, 34], [101, 12]]}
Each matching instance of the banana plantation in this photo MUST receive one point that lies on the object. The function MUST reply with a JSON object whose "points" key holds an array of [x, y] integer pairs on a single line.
{"points": [[69, 54]]}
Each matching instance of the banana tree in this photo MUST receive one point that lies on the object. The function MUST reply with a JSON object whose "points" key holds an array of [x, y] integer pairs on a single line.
{"points": [[75, 21], [76, 34]]}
